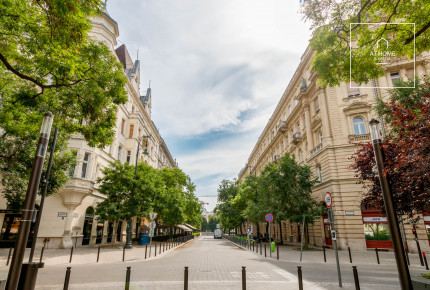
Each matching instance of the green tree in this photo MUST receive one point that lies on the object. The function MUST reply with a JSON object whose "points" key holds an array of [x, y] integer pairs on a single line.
{"points": [[49, 63], [334, 22], [204, 225], [230, 217]]}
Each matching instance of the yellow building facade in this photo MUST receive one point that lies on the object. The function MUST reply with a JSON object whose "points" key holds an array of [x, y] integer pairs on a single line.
{"points": [[319, 127]]}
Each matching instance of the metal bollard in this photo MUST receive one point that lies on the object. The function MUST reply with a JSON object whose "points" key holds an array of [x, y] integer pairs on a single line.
{"points": [[163, 246], [357, 283], [277, 252], [123, 254], [67, 279], [155, 250], [41, 254], [146, 250], [159, 252], [299, 273], [243, 278], [186, 278], [8, 257], [253, 246], [425, 260], [71, 255], [261, 252], [350, 257], [377, 255], [325, 259], [127, 278], [98, 254], [265, 252]]}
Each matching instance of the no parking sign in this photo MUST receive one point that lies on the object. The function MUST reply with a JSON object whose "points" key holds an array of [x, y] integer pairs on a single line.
{"points": [[269, 217]]}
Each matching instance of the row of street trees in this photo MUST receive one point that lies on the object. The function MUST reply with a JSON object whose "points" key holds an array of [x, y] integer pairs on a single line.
{"points": [[282, 189], [169, 192]]}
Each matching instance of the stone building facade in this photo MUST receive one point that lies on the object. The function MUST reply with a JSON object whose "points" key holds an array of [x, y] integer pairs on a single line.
{"points": [[319, 126], [68, 217]]}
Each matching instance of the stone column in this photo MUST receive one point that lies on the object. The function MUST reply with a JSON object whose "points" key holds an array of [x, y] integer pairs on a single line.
{"points": [[309, 137], [72, 195], [326, 130]]}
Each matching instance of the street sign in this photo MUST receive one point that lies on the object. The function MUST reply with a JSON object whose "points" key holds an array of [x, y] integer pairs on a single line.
{"points": [[328, 199], [269, 217], [333, 235], [152, 215]]}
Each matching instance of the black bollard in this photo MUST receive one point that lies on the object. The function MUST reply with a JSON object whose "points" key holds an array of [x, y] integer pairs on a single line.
{"points": [[350, 257], [127, 278], [277, 252], [253, 246], [186, 278], [425, 260], [265, 252], [8, 257], [357, 283], [98, 254], [163, 246], [155, 250], [299, 273], [243, 278], [146, 250], [71, 255], [123, 254], [325, 260], [41, 254], [377, 255], [67, 279], [159, 250], [261, 252]]}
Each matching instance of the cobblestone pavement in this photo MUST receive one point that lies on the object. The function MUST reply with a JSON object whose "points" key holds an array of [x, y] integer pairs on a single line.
{"points": [[213, 264]]}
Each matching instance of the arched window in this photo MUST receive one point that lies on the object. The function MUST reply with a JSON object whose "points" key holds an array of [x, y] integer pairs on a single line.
{"points": [[359, 127]]}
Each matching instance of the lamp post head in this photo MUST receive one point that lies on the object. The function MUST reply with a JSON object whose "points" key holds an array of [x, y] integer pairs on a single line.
{"points": [[46, 124], [374, 130]]}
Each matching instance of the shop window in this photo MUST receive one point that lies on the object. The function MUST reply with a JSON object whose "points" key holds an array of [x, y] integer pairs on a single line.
{"points": [[376, 232], [359, 126], [85, 165]]}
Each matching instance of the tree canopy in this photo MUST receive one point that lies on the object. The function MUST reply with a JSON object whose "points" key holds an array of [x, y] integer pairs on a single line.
{"points": [[49, 63], [336, 24]]}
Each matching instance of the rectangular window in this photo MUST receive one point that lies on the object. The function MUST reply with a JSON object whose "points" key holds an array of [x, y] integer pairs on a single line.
{"points": [[122, 126], [395, 77], [298, 128], [128, 156], [296, 102], [289, 110], [353, 92], [119, 153], [72, 168], [286, 141], [317, 106], [131, 131], [319, 174], [85, 165]]}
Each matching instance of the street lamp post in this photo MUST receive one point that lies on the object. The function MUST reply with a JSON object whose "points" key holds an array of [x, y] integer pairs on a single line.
{"points": [[402, 266], [130, 220], [30, 198]]}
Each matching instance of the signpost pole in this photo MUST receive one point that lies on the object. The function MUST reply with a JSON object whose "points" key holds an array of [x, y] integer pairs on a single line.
{"points": [[333, 234], [151, 229], [301, 244], [270, 242]]}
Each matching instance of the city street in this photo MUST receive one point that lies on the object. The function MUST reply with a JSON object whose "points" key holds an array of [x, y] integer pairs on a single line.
{"points": [[213, 264]]}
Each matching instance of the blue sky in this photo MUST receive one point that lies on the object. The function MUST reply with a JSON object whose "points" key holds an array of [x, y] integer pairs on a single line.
{"points": [[218, 69]]}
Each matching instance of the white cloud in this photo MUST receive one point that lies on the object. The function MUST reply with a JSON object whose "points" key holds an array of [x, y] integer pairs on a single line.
{"points": [[214, 66]]}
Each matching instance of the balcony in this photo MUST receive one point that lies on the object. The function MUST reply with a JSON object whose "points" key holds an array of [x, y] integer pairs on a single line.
{"points": [[282, 127], [296, 138], [359, 138], [316, 150]]}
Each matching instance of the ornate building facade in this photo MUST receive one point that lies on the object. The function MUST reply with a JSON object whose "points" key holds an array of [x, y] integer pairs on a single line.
{"points": [[319, 126]]}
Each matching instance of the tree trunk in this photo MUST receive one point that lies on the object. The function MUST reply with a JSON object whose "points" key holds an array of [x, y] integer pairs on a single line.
{"points": [[280, 232], [305, 236], [299, 234]]}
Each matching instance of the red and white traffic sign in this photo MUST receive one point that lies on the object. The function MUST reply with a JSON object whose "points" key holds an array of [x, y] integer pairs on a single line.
{"points": [[328, 199], [269, 217]]}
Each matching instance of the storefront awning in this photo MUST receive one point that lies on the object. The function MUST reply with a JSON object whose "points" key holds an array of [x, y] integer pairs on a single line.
{"points": [[191, 227], [184, 228]]}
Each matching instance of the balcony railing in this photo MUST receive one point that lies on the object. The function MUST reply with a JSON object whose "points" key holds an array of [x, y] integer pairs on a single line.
{"points": [[316, 150], [296, 138], [282, 126]]}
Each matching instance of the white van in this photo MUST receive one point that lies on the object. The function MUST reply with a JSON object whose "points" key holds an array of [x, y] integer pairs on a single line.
{"points": [[217, 234]]}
